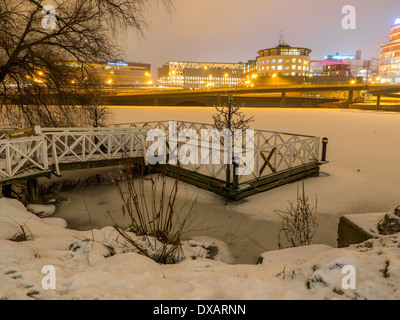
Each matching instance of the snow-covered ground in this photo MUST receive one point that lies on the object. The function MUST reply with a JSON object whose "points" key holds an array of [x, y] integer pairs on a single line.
{"points": [[84, 268], [363, 176]]}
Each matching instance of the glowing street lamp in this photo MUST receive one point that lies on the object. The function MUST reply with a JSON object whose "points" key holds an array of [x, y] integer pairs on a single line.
{"points": [[273, 78]]}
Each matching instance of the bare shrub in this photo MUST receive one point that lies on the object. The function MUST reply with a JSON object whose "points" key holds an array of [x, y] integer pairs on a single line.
{"points": [[154, 214], [298, 221]]}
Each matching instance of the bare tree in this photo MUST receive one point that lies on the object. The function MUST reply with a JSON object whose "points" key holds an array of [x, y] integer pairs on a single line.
{"points": [[37, 85], [230, 117]]}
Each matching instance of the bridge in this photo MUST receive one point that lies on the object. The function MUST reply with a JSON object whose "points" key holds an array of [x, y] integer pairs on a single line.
{"points": [[215, 96], [279, 158]]}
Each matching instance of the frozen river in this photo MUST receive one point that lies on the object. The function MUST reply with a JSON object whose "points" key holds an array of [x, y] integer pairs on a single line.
{"points": [[363, 175]]}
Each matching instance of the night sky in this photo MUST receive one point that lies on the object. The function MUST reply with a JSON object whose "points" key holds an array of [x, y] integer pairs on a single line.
{"points": [[234, 30]]}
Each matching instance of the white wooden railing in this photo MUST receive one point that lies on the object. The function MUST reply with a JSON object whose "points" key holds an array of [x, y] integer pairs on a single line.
{"points": [[69, 145], [274, 152], [21, 154]]}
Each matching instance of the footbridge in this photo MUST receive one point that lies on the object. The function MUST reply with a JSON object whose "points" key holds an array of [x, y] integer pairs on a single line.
{"points": [[29, 154]]}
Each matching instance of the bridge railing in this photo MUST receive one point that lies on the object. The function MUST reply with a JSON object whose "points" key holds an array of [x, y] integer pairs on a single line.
{"points": [[282, 157], [21, 154], [93, 144], [274, 152]]}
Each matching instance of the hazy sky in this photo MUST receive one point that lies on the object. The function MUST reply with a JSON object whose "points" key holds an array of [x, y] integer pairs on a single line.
{"points": [[234, 30]]}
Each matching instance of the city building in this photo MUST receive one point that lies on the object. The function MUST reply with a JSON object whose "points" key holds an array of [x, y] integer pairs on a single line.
{"points": [[196, 75], [339, 68], [117, 73], [389, 69], [336, 70], [284, 61]]}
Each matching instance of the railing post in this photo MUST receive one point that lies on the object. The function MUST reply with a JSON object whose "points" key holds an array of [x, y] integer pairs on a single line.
{"points": [[54, 155], [324, 147], [235, 176]]}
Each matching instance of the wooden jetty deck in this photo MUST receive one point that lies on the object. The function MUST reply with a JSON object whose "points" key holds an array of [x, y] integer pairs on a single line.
{"points": [[279, 158]]}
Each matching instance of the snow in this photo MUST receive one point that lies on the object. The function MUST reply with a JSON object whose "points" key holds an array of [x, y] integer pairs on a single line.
{"points": [[361, 177], [367, 222], [86, 270], [41, 210]]}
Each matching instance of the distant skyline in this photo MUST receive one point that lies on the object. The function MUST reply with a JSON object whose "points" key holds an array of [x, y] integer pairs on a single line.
{"points": [[234, 30]]}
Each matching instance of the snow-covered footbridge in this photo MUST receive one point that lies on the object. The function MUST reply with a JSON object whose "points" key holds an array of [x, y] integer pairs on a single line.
{"points": [[30, 154]]}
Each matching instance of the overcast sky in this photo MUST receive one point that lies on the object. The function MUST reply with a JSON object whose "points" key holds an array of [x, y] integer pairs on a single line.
{"points": [[234, 30]]}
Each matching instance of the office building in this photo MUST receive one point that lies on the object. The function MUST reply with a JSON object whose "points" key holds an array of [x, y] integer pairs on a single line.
{"points": [[389, 68], [116, 73], [284, 61], [201, 75]]}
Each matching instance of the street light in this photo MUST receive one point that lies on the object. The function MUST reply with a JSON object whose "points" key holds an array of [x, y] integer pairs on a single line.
{"points": [[273, 78]]}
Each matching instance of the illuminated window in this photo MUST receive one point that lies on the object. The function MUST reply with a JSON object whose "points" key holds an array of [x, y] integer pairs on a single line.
{"points": [[293, 67], [273, 61], [280, 60], [280, 67], [273, 68]]}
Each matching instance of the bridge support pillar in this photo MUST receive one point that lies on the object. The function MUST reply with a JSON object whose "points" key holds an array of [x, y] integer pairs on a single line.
{"points": [[378, 102], [351, 96], [283, 100], [32, 186], [219, 101]]}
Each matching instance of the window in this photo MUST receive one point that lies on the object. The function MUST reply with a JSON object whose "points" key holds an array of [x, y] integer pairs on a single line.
{"points": [[273, 68], [280, 60], [294, 60], [294, 67], [280, 67], [273, 61], [287, 67]]}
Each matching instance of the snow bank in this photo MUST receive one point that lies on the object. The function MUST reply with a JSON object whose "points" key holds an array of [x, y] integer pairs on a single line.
{"points": [[86, 269], [41, 210]]}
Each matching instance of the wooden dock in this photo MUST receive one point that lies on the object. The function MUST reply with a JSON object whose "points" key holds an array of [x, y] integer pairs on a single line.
{"points": [[279, 158]]}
